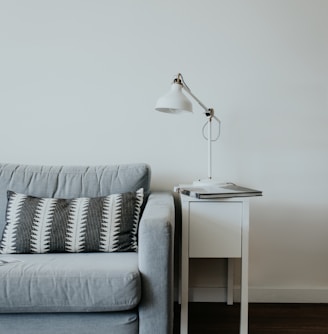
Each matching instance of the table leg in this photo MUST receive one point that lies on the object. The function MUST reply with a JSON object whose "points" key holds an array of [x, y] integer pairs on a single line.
{"points": [[184, 298], [184, 270], [244, 271], [230, 281]]}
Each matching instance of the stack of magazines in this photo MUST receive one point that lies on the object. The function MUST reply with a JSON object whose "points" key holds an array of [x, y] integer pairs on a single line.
{"points": [[224, 190]]}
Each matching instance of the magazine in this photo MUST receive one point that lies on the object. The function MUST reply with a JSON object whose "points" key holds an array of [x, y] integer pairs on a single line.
{"points": [[224, 190]]}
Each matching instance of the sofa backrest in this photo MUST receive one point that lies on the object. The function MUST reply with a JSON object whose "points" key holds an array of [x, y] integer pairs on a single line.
{"points": [[70, 181]]}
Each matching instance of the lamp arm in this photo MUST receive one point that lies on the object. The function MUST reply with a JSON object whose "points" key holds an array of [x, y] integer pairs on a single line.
{"points": [[187, 89], [179, 79], [209, 112]]}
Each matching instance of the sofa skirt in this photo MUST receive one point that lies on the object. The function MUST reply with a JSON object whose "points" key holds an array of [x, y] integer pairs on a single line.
{"points": [[70, 323]]}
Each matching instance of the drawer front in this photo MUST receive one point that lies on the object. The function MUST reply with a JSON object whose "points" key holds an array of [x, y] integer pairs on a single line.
{"points": [[215, 229]]}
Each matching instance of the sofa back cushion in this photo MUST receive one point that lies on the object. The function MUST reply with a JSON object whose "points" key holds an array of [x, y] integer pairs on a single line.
{"points": [[70, 181]]}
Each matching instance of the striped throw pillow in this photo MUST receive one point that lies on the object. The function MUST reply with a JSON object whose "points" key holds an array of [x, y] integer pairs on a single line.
{"points": [[47, 225]]}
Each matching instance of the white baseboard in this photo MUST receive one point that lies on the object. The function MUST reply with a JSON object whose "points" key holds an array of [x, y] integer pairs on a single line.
{"points": [[297, 295], [261, 295], [207, 294]]}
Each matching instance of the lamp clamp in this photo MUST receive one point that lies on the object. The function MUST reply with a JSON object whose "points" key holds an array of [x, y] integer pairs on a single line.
{"points": [[179, 80], [209, 113]]}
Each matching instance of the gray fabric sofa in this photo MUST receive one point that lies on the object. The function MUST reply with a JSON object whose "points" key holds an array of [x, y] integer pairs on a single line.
{"points": [[89, 292]]}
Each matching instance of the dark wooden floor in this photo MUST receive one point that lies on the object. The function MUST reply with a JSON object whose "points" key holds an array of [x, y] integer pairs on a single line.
{"points": [[210, 318]]}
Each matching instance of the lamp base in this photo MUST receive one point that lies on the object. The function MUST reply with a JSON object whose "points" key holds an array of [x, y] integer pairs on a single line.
{"points": [[207, 183]]}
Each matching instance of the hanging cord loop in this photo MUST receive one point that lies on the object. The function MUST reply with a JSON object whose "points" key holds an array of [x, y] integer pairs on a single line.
{"points": [[210, 115]]}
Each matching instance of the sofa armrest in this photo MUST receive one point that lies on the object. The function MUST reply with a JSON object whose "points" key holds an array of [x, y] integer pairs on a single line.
{"points": [[156, 250]]}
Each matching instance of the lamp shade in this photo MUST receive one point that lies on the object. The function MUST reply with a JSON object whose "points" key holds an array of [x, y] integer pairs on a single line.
{"points": [[174, 101]]}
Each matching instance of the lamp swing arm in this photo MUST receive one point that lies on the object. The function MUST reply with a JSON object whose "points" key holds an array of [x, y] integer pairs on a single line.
{"points": [[209, 112]]}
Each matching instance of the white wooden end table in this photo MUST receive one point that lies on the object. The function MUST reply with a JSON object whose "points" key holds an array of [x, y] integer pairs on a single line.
{"points": [[215, 228]]}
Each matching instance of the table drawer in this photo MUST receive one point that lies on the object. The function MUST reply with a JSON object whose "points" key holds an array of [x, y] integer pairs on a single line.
{"points": [[215, 229]]}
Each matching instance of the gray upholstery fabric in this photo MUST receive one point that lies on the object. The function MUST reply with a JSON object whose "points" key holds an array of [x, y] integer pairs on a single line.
{"points": [[156, 238], [154, 259], [84, 282], [70, 323], [70, 181]]}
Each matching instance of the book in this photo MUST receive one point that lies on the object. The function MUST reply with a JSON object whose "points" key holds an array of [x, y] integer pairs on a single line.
{"points": [[224, 190]]}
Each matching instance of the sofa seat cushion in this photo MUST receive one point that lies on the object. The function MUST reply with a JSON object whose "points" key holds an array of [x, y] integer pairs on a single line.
{"points": [[80, 282]]}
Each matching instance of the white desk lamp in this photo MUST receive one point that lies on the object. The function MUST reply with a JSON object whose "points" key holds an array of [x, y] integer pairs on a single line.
{"points": [[176, 102]]}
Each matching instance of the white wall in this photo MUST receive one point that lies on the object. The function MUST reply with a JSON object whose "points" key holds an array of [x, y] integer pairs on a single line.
{"points": [[79, 80]]}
